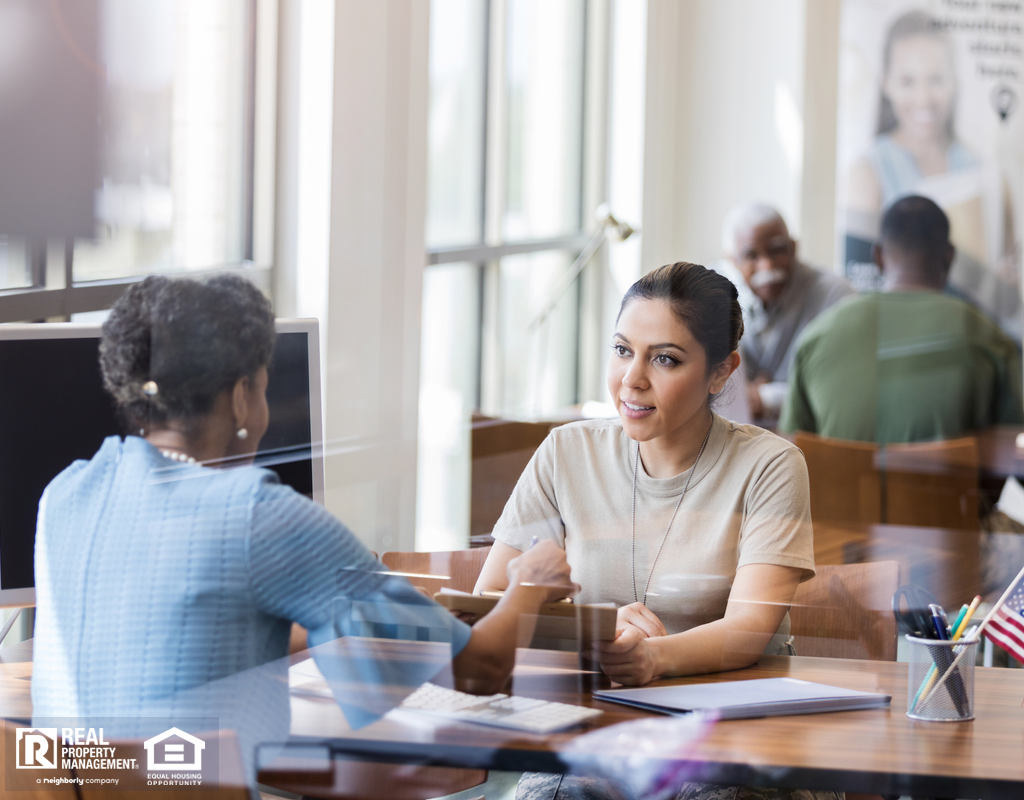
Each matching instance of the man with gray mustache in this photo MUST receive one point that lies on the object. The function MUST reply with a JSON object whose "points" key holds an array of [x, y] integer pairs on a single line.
{"points": [[779, 295]]}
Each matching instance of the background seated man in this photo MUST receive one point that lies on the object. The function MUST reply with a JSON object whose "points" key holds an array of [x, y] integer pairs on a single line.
{"points": [[779, 295], [910, 363]]}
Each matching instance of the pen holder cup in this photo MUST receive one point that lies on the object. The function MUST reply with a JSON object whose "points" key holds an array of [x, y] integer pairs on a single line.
{"points": [[952, 700]]}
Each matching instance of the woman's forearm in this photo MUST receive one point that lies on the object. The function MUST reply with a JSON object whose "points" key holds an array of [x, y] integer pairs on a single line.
{"points": [[494, 574], [758, 602], [725, 644], [533, 578], [487, 660]]}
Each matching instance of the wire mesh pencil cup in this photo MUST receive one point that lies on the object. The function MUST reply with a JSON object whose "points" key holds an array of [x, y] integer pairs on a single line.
{"points": [[953, 700]]}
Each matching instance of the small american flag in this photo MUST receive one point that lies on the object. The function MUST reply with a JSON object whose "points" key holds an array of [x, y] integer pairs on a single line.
{"points": [[1006, 626]]}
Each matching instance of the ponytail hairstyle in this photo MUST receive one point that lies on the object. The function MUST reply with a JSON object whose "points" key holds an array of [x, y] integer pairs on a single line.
{"points": [[704, 301]]}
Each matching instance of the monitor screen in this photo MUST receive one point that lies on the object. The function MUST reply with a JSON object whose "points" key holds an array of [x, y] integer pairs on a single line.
{"points": [[54, 410]]}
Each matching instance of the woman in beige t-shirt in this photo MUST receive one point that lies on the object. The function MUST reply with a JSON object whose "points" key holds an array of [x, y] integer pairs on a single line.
{"points": [[696, 527]]}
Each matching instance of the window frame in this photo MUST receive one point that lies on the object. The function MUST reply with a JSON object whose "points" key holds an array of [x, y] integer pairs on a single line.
{"points": [[487, 254]]}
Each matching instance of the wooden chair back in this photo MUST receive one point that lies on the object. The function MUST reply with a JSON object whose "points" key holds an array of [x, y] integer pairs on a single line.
{"points": [[933, 484], [501, 449], [846, 485], [452, 569], [846, 612]]}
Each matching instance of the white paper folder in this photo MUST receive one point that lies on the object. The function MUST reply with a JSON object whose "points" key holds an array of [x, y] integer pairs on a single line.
{"points": [[766, 697]]}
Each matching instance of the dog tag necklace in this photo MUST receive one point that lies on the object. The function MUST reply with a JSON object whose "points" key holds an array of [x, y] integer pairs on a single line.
{"points": [[632, 543]]}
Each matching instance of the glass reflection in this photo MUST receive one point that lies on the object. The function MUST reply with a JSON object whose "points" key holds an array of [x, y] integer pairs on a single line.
{"points": [[170, 568]]}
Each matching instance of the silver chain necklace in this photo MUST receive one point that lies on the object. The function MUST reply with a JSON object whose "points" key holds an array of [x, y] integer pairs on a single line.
{"points": [[632, 542]]}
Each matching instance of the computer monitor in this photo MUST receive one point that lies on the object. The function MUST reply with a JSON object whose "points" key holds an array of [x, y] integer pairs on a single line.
{"points": [[54, 410]]}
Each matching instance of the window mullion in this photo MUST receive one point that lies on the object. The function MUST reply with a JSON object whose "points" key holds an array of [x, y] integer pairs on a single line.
{"points": [[594, 149], [495, 183]]}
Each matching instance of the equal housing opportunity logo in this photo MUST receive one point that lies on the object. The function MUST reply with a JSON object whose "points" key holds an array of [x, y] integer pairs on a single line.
{"points": [[174, 750]]}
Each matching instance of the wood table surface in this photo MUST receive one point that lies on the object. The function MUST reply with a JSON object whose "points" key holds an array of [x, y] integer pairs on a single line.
{"points": [[878, 750], [868, 751]]}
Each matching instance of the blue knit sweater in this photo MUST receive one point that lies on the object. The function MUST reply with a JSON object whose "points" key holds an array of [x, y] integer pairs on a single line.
{"points": [[155, 579]]}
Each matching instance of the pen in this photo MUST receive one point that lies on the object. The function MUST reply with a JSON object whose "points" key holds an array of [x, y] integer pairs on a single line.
{"points": [[534, 540], [939, 621]]}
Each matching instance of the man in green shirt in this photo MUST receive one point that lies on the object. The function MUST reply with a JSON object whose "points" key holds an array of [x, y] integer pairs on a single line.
{"points": [[908, 364]]}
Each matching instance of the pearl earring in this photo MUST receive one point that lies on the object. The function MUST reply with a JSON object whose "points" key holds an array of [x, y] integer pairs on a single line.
{"points": [[242, 433]]}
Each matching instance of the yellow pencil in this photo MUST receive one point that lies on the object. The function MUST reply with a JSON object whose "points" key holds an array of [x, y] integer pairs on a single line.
{"points": [[967, 618]]}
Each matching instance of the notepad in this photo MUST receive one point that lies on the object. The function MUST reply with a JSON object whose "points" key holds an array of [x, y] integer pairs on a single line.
{"points": [[765, 697]]}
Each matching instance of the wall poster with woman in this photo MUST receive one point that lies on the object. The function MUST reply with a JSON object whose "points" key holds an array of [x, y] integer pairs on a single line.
{"points": [[929, 103]]}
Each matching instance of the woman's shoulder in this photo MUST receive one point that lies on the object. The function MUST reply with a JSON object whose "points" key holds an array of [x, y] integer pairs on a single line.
{"points": [[757, 445], [88, 471], [590, 428], [585, 434], [133, 460]]}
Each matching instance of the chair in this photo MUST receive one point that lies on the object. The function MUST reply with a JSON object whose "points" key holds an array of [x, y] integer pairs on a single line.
{"points": [[933, 484], [846, 612], [501, 449], [846, 486], [454, 569]]}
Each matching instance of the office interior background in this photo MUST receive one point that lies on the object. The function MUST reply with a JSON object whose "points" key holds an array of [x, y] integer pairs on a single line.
{"points": [[420, 176]]}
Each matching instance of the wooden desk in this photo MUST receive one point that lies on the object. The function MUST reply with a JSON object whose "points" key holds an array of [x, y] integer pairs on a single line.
{"points": [[868, 751]]}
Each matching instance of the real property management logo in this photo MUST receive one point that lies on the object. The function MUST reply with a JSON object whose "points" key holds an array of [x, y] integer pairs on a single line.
{"points": [[67, 748], [37, 748], [87, 748]]}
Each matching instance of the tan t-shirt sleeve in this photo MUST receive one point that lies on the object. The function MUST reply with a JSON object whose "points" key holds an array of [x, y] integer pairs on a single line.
{"points": [[776, 527], [532, 510]]}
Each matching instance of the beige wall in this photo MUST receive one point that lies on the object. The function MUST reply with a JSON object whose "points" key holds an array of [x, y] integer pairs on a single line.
{"points": [[740, 106]]}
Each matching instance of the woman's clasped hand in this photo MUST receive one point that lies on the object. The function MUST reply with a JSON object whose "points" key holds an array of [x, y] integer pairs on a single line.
{"points": [[633, 658]]}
